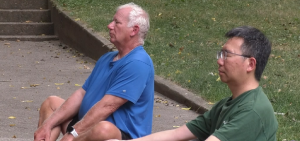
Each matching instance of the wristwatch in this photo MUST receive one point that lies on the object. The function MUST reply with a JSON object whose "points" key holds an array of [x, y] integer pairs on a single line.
{"points": [[71, 130]]}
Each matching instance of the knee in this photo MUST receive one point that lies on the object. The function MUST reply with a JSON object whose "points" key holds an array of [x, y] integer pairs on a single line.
{"points": [[104, 130], [52, 102]]}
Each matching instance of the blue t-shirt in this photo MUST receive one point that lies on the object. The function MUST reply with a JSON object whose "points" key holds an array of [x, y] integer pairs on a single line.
{"points": [[131, 78]]}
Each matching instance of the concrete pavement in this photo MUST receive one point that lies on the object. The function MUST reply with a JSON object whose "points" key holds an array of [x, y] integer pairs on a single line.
{"points": [[32, 71]]}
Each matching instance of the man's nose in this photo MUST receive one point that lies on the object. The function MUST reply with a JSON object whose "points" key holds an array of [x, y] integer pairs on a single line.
{"points": [[220, 62], [109, 26]]}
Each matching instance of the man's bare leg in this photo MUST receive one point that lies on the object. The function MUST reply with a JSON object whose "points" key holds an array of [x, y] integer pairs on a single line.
{"points": [[104, 130], [47, 108]]}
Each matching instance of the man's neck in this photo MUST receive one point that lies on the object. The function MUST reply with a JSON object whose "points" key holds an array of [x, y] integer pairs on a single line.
{"points": [[239, 88], [125, 49]]}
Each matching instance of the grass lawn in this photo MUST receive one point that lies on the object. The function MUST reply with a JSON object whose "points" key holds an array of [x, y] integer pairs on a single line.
{"points": [[186, 34]]}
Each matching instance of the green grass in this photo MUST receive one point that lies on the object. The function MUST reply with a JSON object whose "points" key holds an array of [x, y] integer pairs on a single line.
{"points": [[186, 34]]}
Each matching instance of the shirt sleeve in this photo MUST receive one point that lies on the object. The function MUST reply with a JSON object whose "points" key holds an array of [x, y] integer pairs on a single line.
{"points": [[200, 126], [130, 81], [244, 125]]}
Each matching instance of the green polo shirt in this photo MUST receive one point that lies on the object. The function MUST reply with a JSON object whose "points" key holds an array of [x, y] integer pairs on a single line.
{"points": [[249, 117]]}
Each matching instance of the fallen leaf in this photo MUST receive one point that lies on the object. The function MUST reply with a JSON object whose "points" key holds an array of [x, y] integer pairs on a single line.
{"points": [[58, 88], [186, 108], [28, 21], [218, 79], [25, 87], [34, 85], [6, 43], [57, 84], [77, 85], [157, 116], [86, 67], [27, 101], [265, 85], [11, 117], [78, 19], [11, 125], [181, 49], [279, 113], [265, 77], [210, 103], [14, 136], [171, 45], [178, 71], [295, 120], [176, 126]]}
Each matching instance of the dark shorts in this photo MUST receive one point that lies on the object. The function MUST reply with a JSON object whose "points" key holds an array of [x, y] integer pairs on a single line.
{"points": [[125, 136]]}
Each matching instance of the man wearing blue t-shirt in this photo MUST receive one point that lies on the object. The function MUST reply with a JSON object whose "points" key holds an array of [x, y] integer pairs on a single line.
{"points": [[116, 101]]}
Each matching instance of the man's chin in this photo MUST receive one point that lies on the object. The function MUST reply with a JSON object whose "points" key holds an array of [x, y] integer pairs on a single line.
{"points": [[223, 79], [111, 40]]}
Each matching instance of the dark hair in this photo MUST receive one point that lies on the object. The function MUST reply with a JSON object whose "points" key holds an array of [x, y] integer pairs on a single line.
{"points": [[256, 45]]}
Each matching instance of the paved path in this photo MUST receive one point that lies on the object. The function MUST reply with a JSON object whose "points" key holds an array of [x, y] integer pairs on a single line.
{"points": [[32, 71]]}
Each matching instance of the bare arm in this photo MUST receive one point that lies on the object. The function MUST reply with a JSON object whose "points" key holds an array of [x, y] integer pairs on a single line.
{"points": [[212, 138], [67, 110], [99, 112], [179, 134]]}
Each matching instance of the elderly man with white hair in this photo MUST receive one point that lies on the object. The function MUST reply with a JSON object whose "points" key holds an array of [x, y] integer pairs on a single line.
{"points": [[116, 100]]}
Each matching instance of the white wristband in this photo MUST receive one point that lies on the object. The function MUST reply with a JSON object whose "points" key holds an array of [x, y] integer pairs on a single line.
{"points": [[74, 133]]}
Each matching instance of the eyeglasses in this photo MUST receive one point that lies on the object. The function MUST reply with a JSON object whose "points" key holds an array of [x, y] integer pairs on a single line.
{"points": [[223, 54]]}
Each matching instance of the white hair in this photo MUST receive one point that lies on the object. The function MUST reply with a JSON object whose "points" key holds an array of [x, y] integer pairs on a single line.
{"points": [[137, 16]]}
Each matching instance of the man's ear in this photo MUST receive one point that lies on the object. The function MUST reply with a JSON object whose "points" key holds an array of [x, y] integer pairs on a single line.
{"points": [[135, 30], [251, 64]]}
